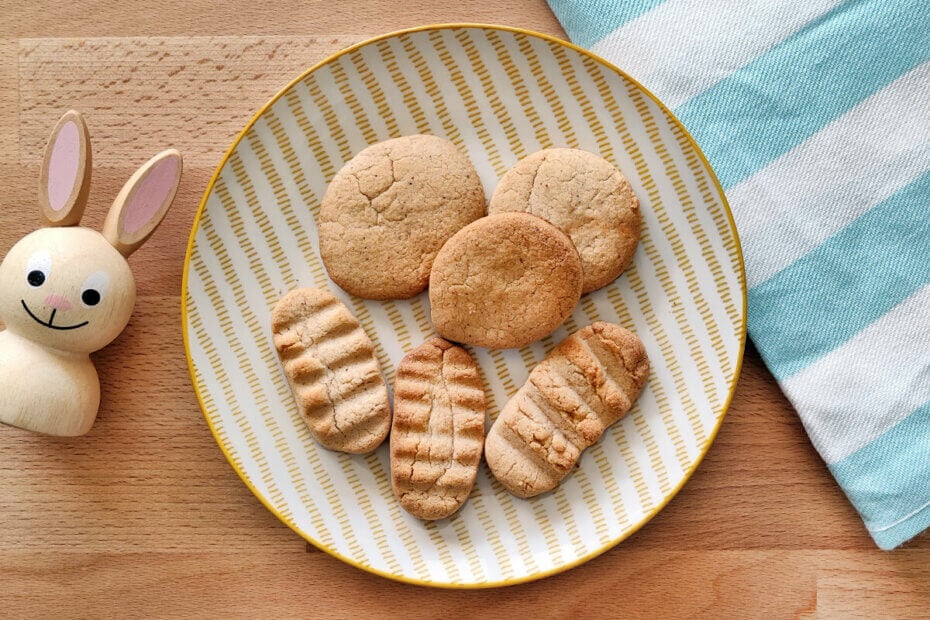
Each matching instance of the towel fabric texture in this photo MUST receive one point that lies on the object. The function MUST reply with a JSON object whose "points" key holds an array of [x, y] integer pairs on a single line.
{"points": [[815, 115]]}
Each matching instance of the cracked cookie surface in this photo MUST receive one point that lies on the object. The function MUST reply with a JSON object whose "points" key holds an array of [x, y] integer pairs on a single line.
{"points": [[437, 433], [389, 210], [587, 383], [585, 196], [331, 367], [504, 281]]}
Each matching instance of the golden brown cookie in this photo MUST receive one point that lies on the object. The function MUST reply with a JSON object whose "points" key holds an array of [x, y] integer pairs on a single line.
{"points": [[438, 430], [387, 212], [588, 382], [330, 364], [504, 281], [585, 196]]}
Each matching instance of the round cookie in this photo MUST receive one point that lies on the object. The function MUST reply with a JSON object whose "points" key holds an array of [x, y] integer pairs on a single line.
{"points": [[584, 195], [504, 281], [387, 212]]}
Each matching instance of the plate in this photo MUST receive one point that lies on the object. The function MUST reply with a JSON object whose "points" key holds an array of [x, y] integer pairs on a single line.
{"points": [[499, 94]]}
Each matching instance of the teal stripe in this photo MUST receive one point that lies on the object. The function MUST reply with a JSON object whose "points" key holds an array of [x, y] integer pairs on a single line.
{"points": [[840, 287], [889, 479], [588, 21], [789, 93], [904, 531]]}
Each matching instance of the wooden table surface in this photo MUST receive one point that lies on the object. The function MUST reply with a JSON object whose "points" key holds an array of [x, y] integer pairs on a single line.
{"points": [[143, 516]]}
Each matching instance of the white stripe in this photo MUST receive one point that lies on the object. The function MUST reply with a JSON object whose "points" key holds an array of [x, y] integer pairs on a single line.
{"points": [[700, 42], [867, 385], [798, 201]]}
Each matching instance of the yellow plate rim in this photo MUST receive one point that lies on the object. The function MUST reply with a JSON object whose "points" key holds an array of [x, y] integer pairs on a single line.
{"points": [[532, 576]]}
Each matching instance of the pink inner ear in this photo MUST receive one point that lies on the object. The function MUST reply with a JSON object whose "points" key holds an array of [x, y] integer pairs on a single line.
{"points": [[150, 195], [63, 166]]}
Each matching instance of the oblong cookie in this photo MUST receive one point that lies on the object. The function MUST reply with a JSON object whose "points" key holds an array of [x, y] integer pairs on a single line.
{"points": [[504, 281], [588, 382], [437, 434], [387, 212], [584, 195], [331, 367]]}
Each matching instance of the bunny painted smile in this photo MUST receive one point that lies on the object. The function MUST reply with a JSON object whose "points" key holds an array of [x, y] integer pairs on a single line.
{"points": [[50, 319]]}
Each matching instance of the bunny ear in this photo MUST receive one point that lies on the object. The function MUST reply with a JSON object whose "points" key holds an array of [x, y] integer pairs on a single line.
{"points": [[65, 179], [142, 203]]}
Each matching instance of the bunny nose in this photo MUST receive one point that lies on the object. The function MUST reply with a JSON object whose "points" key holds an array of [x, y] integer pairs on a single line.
{"points": [[58, 302]]}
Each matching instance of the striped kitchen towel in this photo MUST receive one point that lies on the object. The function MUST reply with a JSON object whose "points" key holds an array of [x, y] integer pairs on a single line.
{"points": [[815, 114]]}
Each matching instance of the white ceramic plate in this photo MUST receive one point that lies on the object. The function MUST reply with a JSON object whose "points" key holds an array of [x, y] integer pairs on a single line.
{"points": [[499, 94]]}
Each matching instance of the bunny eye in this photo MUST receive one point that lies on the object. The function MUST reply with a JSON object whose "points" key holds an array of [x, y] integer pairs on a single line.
{"points": [[90, 297], [95, 288], [38, 267]]}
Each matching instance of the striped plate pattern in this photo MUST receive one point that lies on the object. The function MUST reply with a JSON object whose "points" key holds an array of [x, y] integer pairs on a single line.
{"points": [[499, 94]]}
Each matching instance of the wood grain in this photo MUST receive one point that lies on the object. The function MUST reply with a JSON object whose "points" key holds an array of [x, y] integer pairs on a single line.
{"points": [[144, 94], [143, 516]]}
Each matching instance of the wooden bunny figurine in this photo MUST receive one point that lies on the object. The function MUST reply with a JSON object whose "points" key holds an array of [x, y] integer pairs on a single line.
{"points": [[66, 291]]}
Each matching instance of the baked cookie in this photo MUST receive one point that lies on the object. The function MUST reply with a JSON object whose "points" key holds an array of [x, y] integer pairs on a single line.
{"points": [[504, 281], [387, 212], [585, 196], [330, 364], [588, 382], [438, 430]]}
